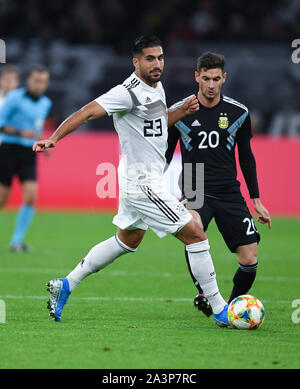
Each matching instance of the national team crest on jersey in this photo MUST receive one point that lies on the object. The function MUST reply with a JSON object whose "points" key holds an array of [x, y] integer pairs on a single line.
{"points": [[223, 121]]}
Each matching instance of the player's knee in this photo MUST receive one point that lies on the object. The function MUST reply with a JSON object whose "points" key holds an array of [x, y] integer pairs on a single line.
{"points": [[247, 255], [30, 199], [192, 232], [30, 202], [3, 201], [132, 239], [197, 232], [4, 194], [248, 260], [29, 193]]}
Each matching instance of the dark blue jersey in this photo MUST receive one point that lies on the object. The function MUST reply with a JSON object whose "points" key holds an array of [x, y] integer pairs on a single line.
{"points": [[209, 136]]}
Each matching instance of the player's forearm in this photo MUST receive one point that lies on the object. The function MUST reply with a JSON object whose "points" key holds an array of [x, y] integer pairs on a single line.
{"points": [[89, 112], [250, 176], [248, 166], [175, 116], [69, 125], [256, 201]]}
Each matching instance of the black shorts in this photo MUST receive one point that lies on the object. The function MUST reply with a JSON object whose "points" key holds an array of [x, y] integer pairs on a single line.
{"points": [[17, 160], [233, 220]]}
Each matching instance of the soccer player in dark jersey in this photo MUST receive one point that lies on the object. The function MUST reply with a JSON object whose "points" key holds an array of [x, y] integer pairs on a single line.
{"points": [[209, 136]]}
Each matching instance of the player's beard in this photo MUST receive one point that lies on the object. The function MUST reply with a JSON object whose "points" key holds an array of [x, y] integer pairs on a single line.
{"points": [[151, 79]]}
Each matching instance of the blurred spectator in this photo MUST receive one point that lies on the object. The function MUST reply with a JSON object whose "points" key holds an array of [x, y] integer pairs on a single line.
{"points": [[84, 44], [116, 22], [204, 20], [9, 80]]}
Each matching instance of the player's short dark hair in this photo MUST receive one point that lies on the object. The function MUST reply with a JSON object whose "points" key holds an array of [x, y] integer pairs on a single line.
{"points": [[143, 42], [38, 68], [210, 60], [9, 69]]}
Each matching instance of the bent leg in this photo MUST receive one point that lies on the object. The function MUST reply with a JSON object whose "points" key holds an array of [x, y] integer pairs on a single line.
{"points": [[247, 255], [105, 253], [131, 238], [206, 214], [7, 171], [188, 232], [193, 231], [4, 194], [246, 273], [26, 212], [200, 261]]}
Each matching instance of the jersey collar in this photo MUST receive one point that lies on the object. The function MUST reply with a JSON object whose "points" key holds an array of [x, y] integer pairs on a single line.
{"points": [[32, 96], [215, 106], [148, 87]]}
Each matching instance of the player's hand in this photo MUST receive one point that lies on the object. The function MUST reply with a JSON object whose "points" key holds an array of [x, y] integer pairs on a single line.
{"points": [[263, 214], [42, 145], [191, 105]]}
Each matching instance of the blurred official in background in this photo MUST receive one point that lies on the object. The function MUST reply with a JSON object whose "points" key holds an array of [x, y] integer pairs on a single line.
{"points": [[22, 117], [9, 80]]}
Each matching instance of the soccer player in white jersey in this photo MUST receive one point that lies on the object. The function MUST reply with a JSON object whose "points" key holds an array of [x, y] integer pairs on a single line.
{"points": [[141, 120]]}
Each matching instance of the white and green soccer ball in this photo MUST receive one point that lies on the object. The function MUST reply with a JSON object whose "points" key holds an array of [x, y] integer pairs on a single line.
{"points": [[246, 312]]}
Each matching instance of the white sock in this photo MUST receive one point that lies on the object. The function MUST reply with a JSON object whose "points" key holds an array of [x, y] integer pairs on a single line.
{"points": [[203, 270], [98, 257]]}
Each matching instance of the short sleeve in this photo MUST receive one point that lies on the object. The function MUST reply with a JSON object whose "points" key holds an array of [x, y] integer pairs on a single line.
{"points": [[116, 100]]}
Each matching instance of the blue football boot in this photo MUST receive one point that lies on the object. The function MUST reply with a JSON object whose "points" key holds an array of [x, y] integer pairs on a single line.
{"points": [[222, 318], [59, 293]]}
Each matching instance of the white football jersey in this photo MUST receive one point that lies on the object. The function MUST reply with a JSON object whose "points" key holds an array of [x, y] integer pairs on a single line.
{"points": [[140, 118]]}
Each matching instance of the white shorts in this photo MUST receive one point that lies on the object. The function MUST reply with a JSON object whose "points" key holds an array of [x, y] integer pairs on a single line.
{"points": [[162, 212]]}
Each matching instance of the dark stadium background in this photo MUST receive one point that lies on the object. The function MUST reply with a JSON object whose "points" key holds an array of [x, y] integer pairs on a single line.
{"points": [[138, 313], [86, 46]]}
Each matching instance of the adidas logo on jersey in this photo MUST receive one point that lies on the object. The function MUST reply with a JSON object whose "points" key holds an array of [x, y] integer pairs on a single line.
{"points": [[195, 123], [148, 100]]}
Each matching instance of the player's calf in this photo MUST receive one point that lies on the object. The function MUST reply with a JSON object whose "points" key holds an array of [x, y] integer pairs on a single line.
{"points": [[246, 272], [243, 280], [98, 257], [200, 261]]}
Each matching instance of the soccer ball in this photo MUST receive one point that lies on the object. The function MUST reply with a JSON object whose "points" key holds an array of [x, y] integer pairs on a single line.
{"points": [[246, 312]]}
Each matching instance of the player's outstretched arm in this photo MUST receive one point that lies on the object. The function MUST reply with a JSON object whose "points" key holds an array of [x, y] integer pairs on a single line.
{"points": [[190, 106], [263, 214], [89, 112]]}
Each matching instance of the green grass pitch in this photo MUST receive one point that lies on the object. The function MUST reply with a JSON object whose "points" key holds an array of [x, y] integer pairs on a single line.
{"points": [[138, 312]]}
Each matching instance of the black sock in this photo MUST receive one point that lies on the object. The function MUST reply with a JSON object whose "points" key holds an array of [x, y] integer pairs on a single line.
{"points": [[194, 279], [243, 280]]}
